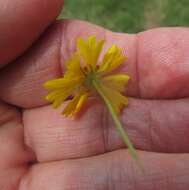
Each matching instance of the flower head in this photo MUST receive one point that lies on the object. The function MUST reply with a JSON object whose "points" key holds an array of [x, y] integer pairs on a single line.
{"points": [[86, 76], [83, 71]]}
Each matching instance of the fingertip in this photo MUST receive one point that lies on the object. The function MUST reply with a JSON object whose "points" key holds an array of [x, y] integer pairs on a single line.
{"points": [[163, 63]]}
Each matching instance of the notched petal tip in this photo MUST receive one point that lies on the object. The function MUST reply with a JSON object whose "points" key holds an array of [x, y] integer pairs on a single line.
{"points": [[56, 104], [81, 43], [47, 98]]}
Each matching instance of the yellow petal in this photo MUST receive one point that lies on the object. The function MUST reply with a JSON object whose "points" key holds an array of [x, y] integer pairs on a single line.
{"points": [[90, 50], [83, 49], [59, 93], [81, 102], [58, 96], [116, 82], [92, 42], [73, 76], [95, 49], [75, 104], [113, 58], [73, 66], [51, 84], [58, 101], [116, 98], [63, 83]]}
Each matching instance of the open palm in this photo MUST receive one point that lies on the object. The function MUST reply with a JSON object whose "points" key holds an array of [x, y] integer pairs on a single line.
{"points": [[41, 149]]}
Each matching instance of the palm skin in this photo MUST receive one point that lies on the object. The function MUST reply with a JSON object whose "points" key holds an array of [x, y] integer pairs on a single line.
{"points": [[40, 149]]}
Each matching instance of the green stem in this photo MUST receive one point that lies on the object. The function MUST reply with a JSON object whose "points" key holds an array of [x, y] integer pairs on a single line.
{"points": [[116, 120]]}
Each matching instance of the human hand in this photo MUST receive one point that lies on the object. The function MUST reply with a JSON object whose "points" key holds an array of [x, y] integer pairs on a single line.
{"points": [[40, 149]]}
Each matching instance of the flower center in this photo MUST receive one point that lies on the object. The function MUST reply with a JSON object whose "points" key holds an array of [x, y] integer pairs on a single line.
{"points": [[90, 77]]}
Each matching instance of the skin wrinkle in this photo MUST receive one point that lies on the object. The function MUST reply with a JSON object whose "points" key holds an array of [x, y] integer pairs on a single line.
{"points": [[161, 141], [64, 49], [64, 46], [61, 49], [104, 126], [134, 171], [117, 174], [27, 171], [7, 113], [137, 66], [14, 164], [150, 128], [154, 131], [60, 32], [108, 178]]}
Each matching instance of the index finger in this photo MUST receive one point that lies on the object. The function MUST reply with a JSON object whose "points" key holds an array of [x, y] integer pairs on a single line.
{"points": [[158, 62]]}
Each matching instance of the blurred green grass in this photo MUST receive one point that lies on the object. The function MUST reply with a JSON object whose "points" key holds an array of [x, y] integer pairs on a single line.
{"points": [[129, 15]]}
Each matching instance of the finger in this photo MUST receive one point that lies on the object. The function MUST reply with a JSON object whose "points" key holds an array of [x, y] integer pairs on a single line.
{"points": [[152, 70], [13, 150], [159, 125], [15, 157], [163, 63], [117, 171], [22, 23]]}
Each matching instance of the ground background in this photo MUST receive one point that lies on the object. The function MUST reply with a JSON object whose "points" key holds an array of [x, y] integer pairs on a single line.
{"points": [[129, 15]]}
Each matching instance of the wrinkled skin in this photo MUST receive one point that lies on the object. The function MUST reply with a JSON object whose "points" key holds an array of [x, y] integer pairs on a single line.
{"points": [[40, 149]]}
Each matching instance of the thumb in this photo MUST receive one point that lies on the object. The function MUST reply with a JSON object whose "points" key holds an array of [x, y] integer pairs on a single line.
{"points": [[22, 23]]}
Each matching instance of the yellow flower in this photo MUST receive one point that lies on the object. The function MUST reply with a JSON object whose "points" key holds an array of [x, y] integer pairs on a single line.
{"points": [[83, 71], [86, 76]]}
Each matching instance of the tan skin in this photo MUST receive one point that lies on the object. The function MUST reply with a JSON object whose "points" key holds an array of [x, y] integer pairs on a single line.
{"points": [[40, 149]]}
